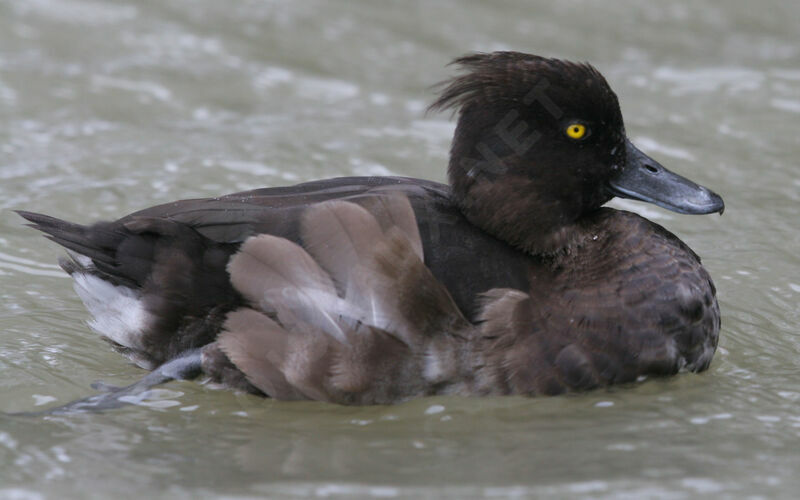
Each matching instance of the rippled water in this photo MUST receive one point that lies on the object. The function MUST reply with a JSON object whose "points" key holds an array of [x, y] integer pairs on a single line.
{"points": [[108, 107]]}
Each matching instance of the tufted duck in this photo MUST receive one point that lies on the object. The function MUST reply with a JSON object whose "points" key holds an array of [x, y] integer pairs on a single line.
{"points": [[372, 290]]}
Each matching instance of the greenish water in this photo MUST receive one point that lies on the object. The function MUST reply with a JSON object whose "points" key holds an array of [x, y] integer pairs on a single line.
{"points": [[108, 107]]}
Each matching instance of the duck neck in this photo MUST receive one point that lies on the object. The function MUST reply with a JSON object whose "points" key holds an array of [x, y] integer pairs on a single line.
{"points": [[517, 210]]}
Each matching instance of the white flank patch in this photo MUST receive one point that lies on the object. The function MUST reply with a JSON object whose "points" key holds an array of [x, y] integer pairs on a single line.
{"points": [[82, 260], [117, 311]]}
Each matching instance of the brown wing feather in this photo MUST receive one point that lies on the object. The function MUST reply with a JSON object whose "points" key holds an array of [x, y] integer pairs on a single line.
{"points": [[339, 235], [399, 281], [258, 347], [394, 210], [406, 318], [280, 277], [380, 271]]}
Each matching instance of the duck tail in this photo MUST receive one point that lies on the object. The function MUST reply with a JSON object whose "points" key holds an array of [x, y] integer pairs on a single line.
{"points": [[91, 247]]}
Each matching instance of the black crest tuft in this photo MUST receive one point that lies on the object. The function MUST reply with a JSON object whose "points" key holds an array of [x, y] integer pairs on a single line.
{"points": [[497, 77]]}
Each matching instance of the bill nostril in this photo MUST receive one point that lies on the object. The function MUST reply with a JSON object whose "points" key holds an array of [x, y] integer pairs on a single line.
{"points": [[651, 168]]}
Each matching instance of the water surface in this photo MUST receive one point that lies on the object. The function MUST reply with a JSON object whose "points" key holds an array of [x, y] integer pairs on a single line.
{"points": [[108, 107]]}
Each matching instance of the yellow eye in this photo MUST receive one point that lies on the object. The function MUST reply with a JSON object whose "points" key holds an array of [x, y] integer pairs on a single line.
{"points": [[576, 131]]}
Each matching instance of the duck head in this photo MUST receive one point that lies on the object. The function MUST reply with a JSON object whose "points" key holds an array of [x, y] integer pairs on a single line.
{"points": [[540, 143]]}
